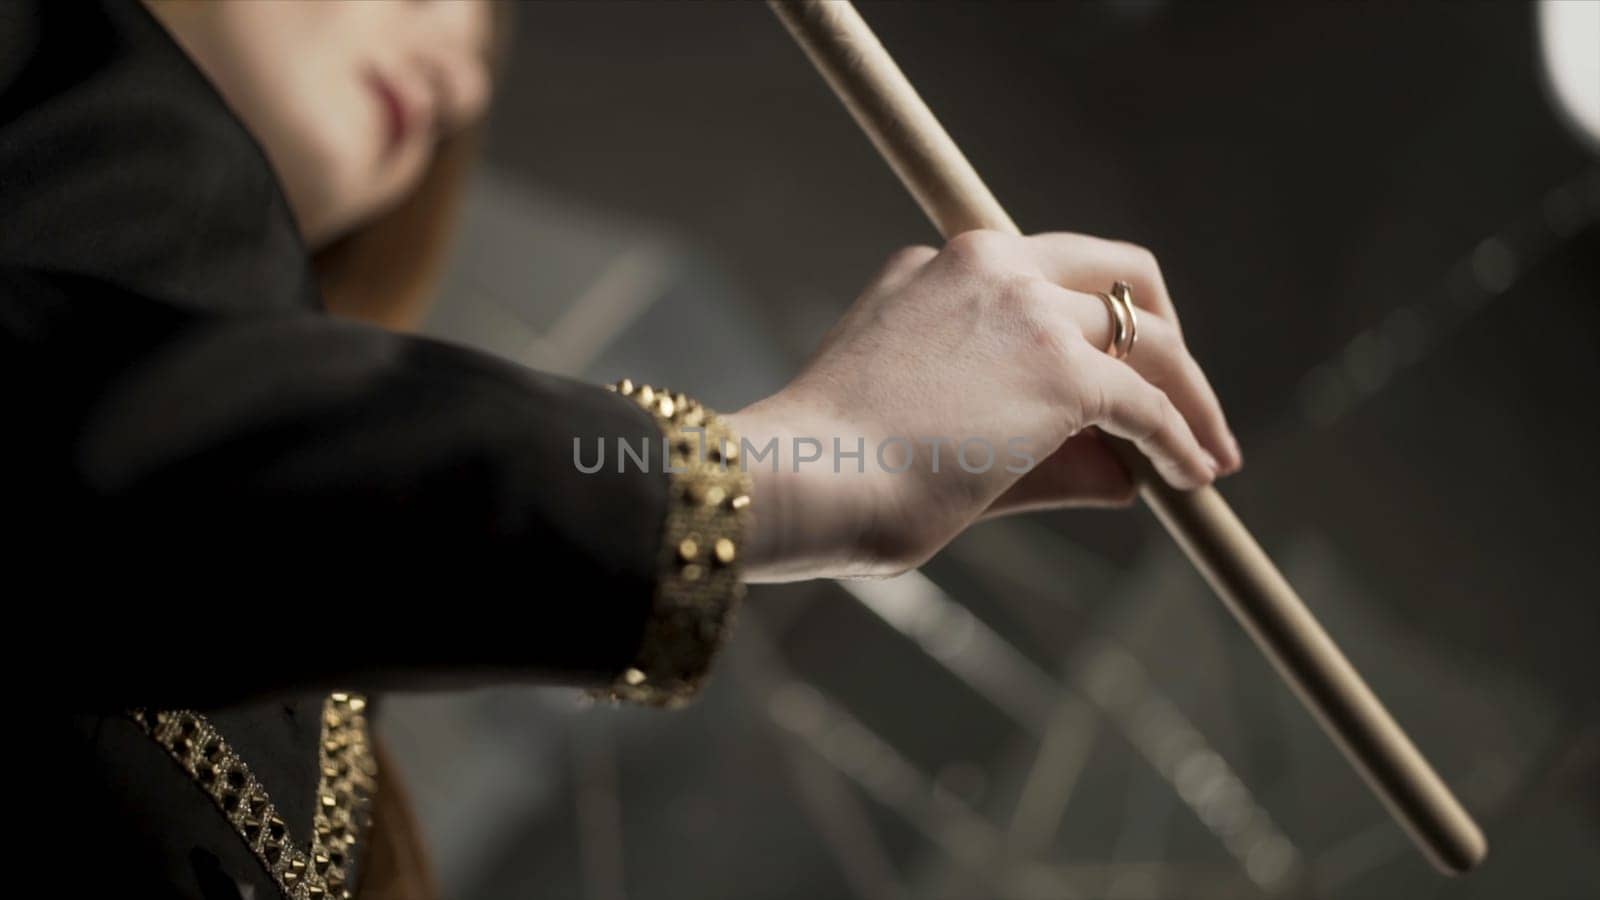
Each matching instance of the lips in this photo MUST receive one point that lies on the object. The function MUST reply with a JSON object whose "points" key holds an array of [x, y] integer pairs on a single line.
{"points": [[399, 117]]}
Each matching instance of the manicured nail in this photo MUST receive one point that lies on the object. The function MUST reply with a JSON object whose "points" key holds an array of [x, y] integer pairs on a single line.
{"points": [[1211, 462]]}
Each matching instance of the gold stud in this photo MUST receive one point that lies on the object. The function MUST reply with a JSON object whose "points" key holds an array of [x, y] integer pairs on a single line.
{"points": [[714, 495], [625, 387], [633, 677], [666, 406], [358, 704], [740, 502], [725, 551], [647, 396], [690, 572], [688, 549], [340, 697]]}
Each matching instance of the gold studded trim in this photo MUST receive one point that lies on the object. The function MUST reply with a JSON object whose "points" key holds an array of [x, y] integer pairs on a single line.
{"points": [[699, 586], [318, 869]]}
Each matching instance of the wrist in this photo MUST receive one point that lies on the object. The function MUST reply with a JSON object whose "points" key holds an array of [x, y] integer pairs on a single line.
{"points": [[809, 517]]}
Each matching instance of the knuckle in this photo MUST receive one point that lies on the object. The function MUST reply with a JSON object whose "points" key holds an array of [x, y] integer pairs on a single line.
{"points": [[1189, 367], [979, 248], [1068, 237], [1053, 351], [1054, 337], [911, 256], [1029, 299], [1069, 344], [1142, 257], [1164, 416], [1142, 263]]}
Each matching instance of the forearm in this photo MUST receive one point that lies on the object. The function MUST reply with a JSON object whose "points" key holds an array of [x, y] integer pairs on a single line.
{"points": [[254, 503]]}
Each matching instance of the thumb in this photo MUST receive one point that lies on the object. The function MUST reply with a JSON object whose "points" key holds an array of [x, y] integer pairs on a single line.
{"points": [[1081, 472]]}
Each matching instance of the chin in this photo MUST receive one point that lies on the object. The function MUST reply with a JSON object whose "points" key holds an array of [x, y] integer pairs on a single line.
{"points": [[334, 194]]}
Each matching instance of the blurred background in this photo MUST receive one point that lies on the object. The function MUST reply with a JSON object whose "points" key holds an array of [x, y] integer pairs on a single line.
{"points": [[1384, 238]]}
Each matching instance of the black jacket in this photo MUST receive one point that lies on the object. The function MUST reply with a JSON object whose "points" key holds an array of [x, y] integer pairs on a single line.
{"points": [[220, 497]]}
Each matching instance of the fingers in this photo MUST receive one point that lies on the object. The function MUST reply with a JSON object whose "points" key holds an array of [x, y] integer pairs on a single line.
{"points": [[1123, 403], [1158, 397], [1092, 264], [1087, 263], [1161, 357]]}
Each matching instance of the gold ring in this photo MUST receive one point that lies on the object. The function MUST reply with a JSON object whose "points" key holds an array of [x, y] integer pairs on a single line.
{"points": [[1119, 325], [1122, 292]]}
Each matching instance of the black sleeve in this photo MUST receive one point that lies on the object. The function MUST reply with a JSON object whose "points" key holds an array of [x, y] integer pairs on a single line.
{"points": [[214, 490], [119, 160], [204, 507]]}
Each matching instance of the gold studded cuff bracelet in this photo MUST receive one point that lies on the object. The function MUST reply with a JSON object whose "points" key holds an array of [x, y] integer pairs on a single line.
{"points": [[698, 588]]}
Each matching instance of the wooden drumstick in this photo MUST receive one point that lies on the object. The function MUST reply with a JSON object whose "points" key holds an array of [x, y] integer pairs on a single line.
{"points": [[930, 165]]}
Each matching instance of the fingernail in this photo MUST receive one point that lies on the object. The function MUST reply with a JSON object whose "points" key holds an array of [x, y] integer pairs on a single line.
{"points": [[1211, 461]]}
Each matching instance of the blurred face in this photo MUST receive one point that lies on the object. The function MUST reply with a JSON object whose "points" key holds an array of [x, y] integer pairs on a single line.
{"points": [[348, 99]]}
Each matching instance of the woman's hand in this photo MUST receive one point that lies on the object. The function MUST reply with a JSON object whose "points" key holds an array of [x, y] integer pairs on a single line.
{"points": [[969, 379]]}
